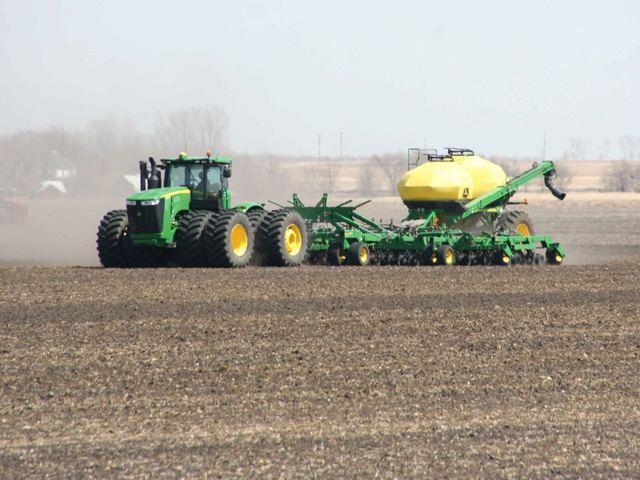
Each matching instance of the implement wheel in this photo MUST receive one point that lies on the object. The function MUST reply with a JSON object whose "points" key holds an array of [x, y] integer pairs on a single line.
{"points": [[334, 256], [283, 238], [190, 238], [228, 239], [501, 259], [429, 257], [516, 221], [553, 257], [359, 254], [445, 255]]}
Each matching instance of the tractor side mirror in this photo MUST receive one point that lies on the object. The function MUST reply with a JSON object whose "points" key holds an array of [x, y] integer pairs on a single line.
{"points": [[226, 173]]}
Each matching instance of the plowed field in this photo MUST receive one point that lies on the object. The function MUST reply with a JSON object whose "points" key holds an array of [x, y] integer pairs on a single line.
{"points": [[397, 372]]}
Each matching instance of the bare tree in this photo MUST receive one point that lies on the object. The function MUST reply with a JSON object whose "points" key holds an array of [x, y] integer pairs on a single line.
{"points": [[629, 147], [392, 166], [577, 149], [328, 173], [605, 149], [365, 180], [622, 176], [508, 164], [197, 130]]}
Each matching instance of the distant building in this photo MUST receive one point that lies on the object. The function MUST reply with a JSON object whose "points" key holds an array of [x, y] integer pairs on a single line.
{"points": [[51, 188], [59, 167]]}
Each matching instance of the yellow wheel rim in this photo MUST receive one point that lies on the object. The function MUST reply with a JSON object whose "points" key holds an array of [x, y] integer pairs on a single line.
{"points": [[448, 257], [523, 229], [505, 259], [364, 255], [293, 240], [239, 240], [558, 258]]}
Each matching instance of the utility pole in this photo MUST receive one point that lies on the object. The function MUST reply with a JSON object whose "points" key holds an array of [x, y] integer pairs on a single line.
{"points": [[319, 146], [341, 145], [544, 145]]}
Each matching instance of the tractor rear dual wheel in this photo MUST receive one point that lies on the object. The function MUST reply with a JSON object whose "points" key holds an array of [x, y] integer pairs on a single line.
{"points": [[516, 221], [214, 239], [282, 238]]}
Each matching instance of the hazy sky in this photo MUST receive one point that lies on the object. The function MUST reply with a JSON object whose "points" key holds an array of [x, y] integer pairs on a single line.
{"points": [[492, 75]]}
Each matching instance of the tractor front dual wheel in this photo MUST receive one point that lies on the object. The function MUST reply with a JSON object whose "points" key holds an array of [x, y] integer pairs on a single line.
{"points": [[191, 251], [115, 248], [114, 245], [228, 240]]}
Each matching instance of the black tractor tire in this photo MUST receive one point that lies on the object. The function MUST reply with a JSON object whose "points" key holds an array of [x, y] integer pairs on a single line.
{"points": [[115, 249], [282, 238], [515, 221], [256, 217], [446, 255], [359, 254], [228, 240], [427, 257], [334, 256], [189, 238]]}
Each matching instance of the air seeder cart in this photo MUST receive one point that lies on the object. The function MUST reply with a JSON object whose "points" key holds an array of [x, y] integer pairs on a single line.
{"points": [[437, 231]]}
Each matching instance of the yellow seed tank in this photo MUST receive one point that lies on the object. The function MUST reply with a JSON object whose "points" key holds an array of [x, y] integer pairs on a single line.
{"points": [[457, 178]]}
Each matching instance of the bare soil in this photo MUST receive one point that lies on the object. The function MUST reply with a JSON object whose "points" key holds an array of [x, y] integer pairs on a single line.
{"points": [[438, 372]]}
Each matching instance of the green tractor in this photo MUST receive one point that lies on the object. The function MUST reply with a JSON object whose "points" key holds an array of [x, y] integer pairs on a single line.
{"points": [[183, 216]]}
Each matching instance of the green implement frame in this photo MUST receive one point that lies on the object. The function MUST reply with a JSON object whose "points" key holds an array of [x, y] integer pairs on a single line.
{"points": [[421, 237]]}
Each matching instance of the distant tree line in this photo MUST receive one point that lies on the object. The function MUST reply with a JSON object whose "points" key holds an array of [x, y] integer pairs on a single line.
{"points": [[107, 148], [111, 146]]}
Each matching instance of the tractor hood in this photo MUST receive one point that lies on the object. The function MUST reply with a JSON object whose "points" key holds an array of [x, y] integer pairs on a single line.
{"points": [[158, 193]]}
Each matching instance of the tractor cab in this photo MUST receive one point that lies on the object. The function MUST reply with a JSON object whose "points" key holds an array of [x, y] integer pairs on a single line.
{"points": [[206, 178], [182, 215]]}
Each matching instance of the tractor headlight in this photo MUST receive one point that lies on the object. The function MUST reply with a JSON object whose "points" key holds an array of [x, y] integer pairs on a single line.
{"points": [[149, 203], [131, 203]]}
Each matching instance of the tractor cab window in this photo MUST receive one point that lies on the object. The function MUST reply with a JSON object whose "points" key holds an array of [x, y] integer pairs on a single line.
{"points": [[214, 181], [205, 182], [185, 176]]}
